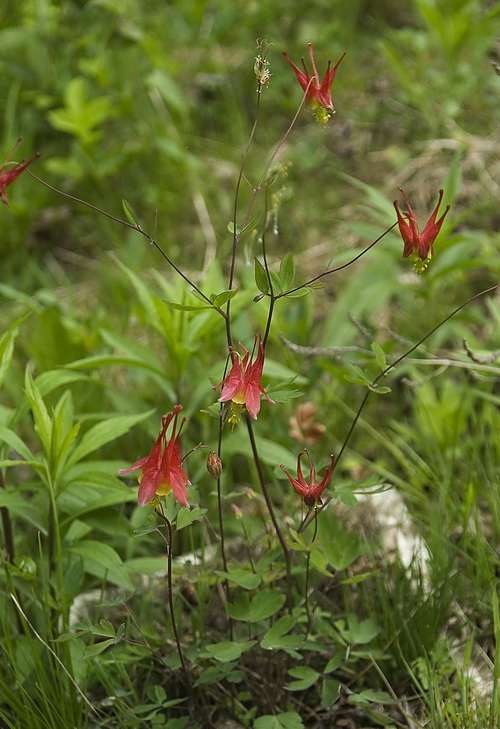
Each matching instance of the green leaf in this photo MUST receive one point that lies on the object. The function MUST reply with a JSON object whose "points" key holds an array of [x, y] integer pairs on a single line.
{"points": [[103, 433], [41, 417], [130, 213], [283, 396], [102, 561], [276, 637], [334, 663], [266, 603], [359, 578], [132, 348], [244, 578], [64, 432], [359, 377], [319, 563], [379, 389], [276, 281], [299, 293], [185, 517], [361, 631], [189, 307], [145, 297], [82, 113], [342, 551], [379, 718], [380, 355], [248, 226], [224, 297], [261, 280], [104, 627], [49, 381], [14, 441], [305, 676], [93, 650], [7, 346], [287, 272], [229, 650], [371, 697], [112, 360], [287, 720], [330, 692]]}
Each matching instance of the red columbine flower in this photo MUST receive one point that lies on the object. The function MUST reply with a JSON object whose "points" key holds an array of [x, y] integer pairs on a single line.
{"points": [[242, 385], [415, 242], [319, 95], [310, 492], [7, 177], [162, 469]]}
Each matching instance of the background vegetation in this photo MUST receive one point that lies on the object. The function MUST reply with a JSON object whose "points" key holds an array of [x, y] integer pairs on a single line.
{"points": [[153, 102]]}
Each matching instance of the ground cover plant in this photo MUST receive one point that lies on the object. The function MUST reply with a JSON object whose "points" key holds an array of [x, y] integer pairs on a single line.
{"points": [[295, 354]]}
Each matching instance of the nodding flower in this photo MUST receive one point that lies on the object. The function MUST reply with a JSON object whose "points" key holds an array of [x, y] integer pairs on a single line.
{"points": [[242, 385], [416, 243], [319, 94], [310, 492], [161, 471]]}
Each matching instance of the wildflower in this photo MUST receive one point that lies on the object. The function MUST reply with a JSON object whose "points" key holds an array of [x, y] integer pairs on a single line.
{"points": [[310, 492], [7, 177], [319, 95], [419, 244], [161, 471], [214, 464], [242, 385], [261, 65]]}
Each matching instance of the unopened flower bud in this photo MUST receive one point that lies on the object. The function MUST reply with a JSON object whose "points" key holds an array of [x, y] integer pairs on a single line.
{"points": [[237, 511], [214, 465]]}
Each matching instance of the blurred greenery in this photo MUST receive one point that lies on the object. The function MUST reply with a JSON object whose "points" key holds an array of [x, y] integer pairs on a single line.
{"points": [[153, 102]]}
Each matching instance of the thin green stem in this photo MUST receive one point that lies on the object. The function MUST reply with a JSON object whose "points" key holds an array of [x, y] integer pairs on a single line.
{"points": [[338, 268], [268, 273], [54, 551], [138, 229], [236, 234], [221, 525], [169, 542], [390, 367], [399, 359], [256, 191], [270, 507], [308, 574]]}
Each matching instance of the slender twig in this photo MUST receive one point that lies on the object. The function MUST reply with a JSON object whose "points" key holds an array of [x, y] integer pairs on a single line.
{"points": [[399, 359], [256, 191], [268, 273], [337, 352], [338, 268], [322, 351], [270, 508], [169, 542], [138, 229], [308, 570], [236, 234], [482, 359], [390, 367]]}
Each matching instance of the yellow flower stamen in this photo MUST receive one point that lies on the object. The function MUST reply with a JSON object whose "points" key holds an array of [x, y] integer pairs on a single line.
{"points": [[235, 411], [322, 115]]}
